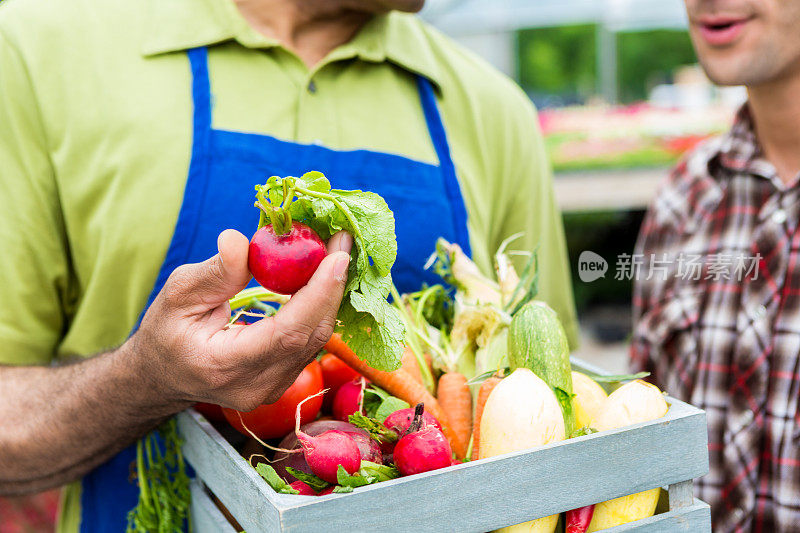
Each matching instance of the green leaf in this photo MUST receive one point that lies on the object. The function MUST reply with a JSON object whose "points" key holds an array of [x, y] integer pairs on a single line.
{"points": [[480, 378], [354, 481], [342, 490], [309, 479], [274, 480], [381, 472], [377, 431], [389, 406], [367, 323], [619, 377]]}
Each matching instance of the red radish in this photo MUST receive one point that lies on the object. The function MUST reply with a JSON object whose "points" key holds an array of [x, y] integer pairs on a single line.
{"points": [[422, 449], [349, 399], [327, 451], [335, 373], [369, 449], [285, 263], [303, 488], [328, 490], [401, 419], [578, 520], [324, 453]]}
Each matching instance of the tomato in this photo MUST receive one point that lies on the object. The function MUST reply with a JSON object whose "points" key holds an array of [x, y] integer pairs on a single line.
{"points": [[285, 263], [275, 420], [211, 411], [335, 373]]}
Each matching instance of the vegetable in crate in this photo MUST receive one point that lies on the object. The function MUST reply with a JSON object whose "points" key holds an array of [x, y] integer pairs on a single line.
{"points": [[349, 399], [366, 321], [274, 420], [367, 447], [522, 412], [335, 373], [588, 401], [634, 402], [422, 449], [537, 341]]}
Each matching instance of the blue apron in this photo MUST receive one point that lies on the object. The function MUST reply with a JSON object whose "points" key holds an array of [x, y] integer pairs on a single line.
{"points": [[225, 166]]}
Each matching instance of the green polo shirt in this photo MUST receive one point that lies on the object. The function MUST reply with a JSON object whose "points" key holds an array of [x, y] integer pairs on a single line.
{"points": [[96, 135]]}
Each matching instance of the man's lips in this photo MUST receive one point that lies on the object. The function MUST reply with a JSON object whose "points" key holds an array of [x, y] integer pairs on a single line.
{"points": [[721, 31]]}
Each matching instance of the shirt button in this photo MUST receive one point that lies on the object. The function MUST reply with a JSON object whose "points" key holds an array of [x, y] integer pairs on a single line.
{"points": [[738, 514], [312, 88], [779, 216], [747, 418]]}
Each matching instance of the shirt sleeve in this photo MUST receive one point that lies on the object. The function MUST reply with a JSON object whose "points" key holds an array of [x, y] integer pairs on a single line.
{"points": [[33, 257], [525, 192]]}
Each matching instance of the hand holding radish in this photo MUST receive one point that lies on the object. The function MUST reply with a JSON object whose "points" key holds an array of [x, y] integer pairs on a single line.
{"points": [[185, 352]]}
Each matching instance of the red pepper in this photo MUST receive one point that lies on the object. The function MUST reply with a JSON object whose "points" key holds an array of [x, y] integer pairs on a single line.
{"points": [[578, 519]]}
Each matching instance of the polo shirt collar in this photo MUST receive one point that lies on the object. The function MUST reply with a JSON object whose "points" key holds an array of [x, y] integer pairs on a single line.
{"points": [[179, 25]]}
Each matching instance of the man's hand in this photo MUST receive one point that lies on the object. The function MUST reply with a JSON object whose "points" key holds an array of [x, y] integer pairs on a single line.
{"points": [[184, 346], [81, 414]]}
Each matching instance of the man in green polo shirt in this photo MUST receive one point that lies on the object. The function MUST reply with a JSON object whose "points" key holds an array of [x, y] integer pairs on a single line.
{"points": [[128, 130]]}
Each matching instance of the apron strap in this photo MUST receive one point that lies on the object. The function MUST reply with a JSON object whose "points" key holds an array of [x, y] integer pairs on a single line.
{"points": [[440, 144], [197, 179]]}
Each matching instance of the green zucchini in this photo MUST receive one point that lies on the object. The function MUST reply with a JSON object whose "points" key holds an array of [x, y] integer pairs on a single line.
{"points": [[537, 341]]}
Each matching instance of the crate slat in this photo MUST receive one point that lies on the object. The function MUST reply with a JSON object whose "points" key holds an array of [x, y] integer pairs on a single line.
{"points": [[206, 518], [693, 518]]}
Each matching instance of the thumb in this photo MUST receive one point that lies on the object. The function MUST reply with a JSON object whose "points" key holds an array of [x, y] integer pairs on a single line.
{"points": [[220, 277]]}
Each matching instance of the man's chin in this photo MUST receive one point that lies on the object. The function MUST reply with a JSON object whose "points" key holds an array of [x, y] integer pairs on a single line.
{"points": [[729, 72]]}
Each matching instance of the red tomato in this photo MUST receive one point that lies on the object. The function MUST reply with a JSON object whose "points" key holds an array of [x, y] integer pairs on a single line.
{"points": [[212, 412], [275, 420], [335, 373]]}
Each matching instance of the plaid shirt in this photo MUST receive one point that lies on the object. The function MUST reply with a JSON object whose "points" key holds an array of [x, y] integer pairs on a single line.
{"points": [[717, 322]]}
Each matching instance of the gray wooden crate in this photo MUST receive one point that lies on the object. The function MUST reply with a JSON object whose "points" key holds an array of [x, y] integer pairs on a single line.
{"points": [[476, 496]]}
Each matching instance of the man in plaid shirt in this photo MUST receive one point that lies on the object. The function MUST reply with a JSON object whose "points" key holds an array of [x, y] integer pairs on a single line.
{"points": [[717, 296]]}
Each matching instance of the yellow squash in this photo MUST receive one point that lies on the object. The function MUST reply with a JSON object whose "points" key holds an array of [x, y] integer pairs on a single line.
{"points": [[522, 412], [589, 399], [632, 403]]}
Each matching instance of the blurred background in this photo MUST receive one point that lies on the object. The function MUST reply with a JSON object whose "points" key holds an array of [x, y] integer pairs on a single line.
{"points": [[620, 98]]}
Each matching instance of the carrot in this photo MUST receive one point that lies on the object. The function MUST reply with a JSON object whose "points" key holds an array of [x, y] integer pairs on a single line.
{"points": [[398, 383], [409, 364], [483, 395], [456, 400]]}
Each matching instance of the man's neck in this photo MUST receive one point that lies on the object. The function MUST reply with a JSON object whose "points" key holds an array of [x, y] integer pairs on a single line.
{"points": [[775, 108], [310, 28]]}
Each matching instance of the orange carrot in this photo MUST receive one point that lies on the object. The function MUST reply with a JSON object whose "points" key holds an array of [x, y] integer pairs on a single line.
{"points": [[483, 395], [398, 383], [409, 364], [456, 401]]}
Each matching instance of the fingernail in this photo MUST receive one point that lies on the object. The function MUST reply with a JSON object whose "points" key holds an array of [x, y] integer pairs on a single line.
{"points": [[340, 267], [347, 242]]}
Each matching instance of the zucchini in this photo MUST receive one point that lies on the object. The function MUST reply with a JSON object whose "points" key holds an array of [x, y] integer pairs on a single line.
{"points": [[537, 341]]}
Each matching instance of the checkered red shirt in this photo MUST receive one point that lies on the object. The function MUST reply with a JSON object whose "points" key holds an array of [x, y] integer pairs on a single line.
{"points": [[718, 322]]}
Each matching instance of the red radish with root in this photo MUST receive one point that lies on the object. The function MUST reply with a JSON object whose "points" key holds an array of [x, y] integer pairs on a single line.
{"points": [[368, 447], [422, 448], [325, 452], [284, 259], [349, 399]]}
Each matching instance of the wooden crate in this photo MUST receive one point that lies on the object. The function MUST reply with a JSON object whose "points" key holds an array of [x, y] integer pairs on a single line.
{"points": [[477, 496]]}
